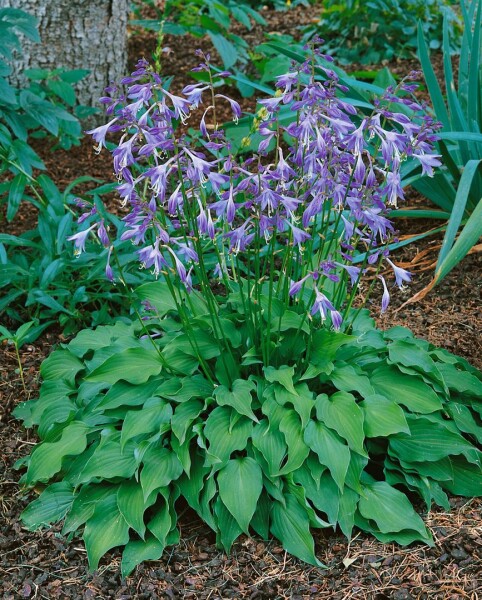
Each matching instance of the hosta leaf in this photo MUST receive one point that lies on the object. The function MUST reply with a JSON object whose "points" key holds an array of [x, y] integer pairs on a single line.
{"points": [[271, 443], [460, 381], [106, 529], [430, 441], [137, 551], [331, 451], [108, 461], [260, 520], [84, 505], [240, 484], [183, 417], [303, 401], [382, 417], [284, 376], [134, 365], [347, 510], [126, 394], [229, 530], [290, 426], [390, 509], [51, 506], [413, 393], [402, 352], [346, 379], [130, 500], [161, 523], [223, 437], [291, 526], [161, 466], [60, 365], [145, 421], [467, 478], [342, 413], [465, 421], [47, 458], [239, 397]]}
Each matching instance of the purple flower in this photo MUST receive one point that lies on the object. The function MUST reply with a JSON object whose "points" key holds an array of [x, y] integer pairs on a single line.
{"points": [[400, 274], [386, 295], [99, 134], [80, 238], [428, 162], [234, 106]]}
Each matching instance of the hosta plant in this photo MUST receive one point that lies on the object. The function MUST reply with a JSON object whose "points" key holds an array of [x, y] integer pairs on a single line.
{"points": [[252, 388]]}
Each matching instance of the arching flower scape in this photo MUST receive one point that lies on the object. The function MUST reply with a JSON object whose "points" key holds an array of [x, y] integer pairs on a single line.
{"points": [[316, 193]]}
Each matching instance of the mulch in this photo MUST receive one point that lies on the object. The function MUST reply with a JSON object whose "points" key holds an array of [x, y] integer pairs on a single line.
{"points": [[46, 565]]}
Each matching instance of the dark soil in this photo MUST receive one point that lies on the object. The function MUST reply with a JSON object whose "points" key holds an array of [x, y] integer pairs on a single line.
{"points": [[46, 565]]}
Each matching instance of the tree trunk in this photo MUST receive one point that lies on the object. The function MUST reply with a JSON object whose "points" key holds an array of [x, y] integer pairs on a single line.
{"points": [[76, 34]]}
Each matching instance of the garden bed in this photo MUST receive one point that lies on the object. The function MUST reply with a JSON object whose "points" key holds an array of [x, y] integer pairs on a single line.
{"points": [[46, 565]]}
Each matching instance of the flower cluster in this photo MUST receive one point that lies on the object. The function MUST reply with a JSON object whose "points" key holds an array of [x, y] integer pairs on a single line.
{"points": [[316, 192]]}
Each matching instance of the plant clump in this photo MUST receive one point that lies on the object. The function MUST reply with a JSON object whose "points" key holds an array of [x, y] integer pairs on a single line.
{"points": [[250, 387]]}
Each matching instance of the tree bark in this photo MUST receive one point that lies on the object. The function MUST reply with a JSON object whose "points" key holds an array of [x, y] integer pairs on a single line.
{"points": [[76, 34]]}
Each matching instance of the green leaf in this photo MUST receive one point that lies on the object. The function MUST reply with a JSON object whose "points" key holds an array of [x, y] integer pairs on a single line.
{"points": [[106, 529], [61, 365], [108, 461], [467, 479], [47, 458], [183, 417], [413, 393], [409, 354], [240, 484], [239, 397], [346, 379], [161, 467], [51, 506], [290, 426], [390, 509], [382, 417], [229, 530], [342, 413], [291, 526], [225, 438], [303, 401], [146, 421], [130, 500], [84, 505], [137, 551], [15, 195], [331, 451], [284, 376], [429, 441], [161, 523], [126, 394], [227, 50], [271, 443], [158, 295], [467, 238], [134, 365]]}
